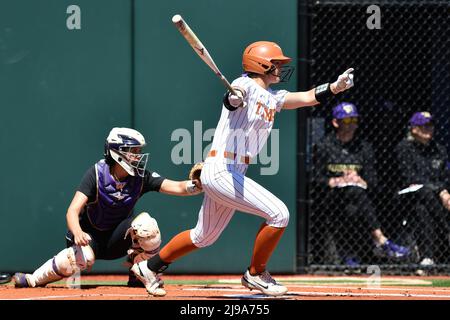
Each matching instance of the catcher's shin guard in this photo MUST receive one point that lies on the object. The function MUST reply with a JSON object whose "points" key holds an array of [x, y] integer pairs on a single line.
{"points": [[66, 263]]}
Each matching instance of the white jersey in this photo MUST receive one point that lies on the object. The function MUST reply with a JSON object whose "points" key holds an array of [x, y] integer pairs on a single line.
{"points": [[244, 131]]}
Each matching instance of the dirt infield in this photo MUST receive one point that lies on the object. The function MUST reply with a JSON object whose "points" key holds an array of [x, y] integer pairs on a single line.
{"points": [[227, 287]]}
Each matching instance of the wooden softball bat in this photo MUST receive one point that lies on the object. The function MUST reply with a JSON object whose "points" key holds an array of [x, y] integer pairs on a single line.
{"points": [[199, 48]]}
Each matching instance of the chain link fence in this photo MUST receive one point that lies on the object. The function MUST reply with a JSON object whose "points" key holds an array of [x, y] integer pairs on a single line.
{"points": [[401, 57]]}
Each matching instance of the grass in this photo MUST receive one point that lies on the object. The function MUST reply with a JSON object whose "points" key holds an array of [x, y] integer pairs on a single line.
{"points": [[442, 283]]}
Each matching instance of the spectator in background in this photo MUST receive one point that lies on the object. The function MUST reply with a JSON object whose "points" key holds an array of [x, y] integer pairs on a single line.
{"points": [[444, 195], [344, 175], [422, 164]]}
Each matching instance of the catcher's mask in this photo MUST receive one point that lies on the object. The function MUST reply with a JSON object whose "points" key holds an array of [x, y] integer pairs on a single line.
{"points": [[124, 146], [259, 56]]}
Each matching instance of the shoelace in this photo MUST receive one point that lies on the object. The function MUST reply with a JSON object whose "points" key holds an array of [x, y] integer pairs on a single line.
{"points": [[268, 278]]}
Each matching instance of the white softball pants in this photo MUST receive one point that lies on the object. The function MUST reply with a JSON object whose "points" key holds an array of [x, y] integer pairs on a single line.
{"points": [[226, 189]]}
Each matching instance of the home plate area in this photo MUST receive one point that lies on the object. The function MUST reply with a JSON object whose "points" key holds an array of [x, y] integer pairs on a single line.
{"points": [[228, 287]]}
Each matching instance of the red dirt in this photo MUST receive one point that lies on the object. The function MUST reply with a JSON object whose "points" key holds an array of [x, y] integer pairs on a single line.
{"points": [[223, 291]]}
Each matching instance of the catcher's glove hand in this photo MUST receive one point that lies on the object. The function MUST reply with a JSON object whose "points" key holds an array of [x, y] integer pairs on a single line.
{"points": [[196, 171], [195, 185]]}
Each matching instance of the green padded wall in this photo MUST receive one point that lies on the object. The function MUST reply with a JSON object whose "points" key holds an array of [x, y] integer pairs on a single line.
{"points": [[62, 90]]}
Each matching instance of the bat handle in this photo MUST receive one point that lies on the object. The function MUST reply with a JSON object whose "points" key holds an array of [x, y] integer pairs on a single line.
{"points": [[227, 84]]}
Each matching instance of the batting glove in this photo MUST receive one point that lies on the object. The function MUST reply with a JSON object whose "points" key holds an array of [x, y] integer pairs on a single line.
{"points": [[238, 100], [344, 81]]}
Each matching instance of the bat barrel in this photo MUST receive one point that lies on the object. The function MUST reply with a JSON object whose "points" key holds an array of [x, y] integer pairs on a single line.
{"points": [[199, 48]]}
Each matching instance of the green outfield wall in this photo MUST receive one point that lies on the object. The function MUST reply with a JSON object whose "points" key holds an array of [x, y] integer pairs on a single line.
{"points": [[72, 70]]}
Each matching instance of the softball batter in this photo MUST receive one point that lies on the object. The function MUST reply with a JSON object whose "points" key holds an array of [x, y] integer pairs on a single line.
{"points": [[244, 126]]}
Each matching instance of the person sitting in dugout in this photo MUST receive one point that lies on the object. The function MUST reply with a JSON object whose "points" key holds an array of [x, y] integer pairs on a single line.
{"points": [[343, 178], [425, 177]]}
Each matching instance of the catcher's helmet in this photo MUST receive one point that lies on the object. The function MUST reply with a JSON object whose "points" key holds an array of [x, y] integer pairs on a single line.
{"points": [[258, 56], [120, 146]]}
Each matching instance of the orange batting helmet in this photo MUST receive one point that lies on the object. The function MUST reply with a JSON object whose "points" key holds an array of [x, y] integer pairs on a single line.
{"points": [[258, 56]]}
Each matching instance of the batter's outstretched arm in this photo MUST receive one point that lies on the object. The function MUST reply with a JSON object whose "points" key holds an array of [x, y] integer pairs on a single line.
{"points": [[294, 100]]}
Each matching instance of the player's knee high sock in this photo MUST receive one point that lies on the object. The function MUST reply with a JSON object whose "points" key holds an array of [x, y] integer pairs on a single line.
{"points": [[265, 243], [177, 247]]}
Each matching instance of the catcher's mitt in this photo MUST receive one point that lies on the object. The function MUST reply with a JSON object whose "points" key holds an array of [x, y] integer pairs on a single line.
{"points": [[195, 172]]}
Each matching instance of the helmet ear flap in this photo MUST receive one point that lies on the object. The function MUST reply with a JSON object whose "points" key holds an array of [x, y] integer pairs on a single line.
{"points": [[107, 155], [105, 150], [271, 69], [257, 64]]}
